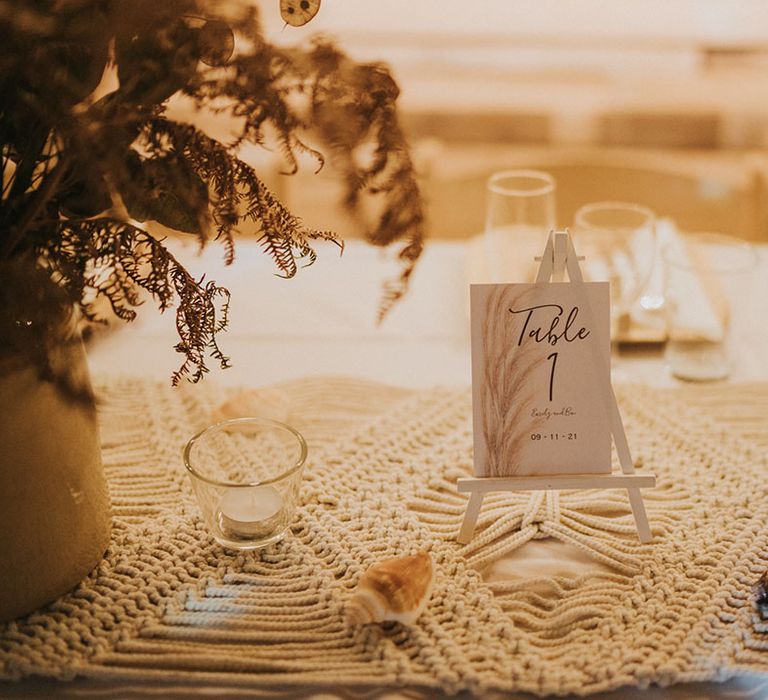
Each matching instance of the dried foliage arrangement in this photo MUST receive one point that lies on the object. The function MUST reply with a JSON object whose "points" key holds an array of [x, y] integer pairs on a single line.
{"points": [[83, 170]]}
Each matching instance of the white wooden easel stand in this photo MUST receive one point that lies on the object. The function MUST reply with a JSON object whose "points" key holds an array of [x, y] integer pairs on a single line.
{"points": [[559, 256]]}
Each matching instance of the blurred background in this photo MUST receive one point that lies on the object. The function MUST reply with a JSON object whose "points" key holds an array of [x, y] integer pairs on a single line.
{"points": [[664, 103], [660, 103]]}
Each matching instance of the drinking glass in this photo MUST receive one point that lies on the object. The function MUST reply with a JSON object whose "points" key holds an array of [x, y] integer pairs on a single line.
{"points": [[618, 242], [246, 474], [520, 212], [702, 273]]}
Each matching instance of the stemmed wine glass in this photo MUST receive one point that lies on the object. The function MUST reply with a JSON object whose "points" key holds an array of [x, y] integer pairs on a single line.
{"points": [[520, 212], [618, 242]]}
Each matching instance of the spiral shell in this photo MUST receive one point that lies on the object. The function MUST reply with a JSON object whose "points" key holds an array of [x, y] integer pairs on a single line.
{"points": [[394, 589], [254, 403]]}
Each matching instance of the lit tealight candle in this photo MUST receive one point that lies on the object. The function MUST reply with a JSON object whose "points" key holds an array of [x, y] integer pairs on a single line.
{"points": [[250, 513]]}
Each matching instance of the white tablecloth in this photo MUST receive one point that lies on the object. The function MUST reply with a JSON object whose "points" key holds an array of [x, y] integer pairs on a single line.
{"points": [[323, 321]]}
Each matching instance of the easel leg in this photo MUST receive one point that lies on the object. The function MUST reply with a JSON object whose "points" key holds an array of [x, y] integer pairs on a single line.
{"points": [[641, 519], [470, 517]]}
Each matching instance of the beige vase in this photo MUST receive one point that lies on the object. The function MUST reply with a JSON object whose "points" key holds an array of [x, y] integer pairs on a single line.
{"points": [[54, 507]]}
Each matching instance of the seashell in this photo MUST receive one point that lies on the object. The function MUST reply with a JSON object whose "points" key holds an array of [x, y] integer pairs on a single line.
{"points": [[394, 589], [254, 403]]}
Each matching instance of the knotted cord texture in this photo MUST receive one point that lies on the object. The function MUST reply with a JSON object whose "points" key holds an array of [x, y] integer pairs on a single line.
{"points": [[168, 603]]}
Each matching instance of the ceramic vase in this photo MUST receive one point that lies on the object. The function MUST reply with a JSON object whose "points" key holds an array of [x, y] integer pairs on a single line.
{"points": [[54, 505]]}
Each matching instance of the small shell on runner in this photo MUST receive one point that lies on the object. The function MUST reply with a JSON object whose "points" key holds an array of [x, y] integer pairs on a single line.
{"points": [[254, 403], [394, 589]]}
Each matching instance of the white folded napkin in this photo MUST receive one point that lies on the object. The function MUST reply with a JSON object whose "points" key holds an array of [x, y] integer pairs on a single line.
{"points": [[695, 303]]}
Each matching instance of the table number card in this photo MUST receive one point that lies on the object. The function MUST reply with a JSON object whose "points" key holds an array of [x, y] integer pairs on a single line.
{"points": [[540, 378]]}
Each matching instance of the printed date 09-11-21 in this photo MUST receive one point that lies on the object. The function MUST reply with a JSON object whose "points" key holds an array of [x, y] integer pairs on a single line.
{"points": [[554, 436]]}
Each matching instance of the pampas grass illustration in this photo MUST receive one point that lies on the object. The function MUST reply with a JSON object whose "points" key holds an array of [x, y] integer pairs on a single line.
{"points": [[507, 394]]}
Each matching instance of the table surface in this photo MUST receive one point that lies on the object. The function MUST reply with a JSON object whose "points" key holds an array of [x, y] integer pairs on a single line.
{"points": [[323, 322]]}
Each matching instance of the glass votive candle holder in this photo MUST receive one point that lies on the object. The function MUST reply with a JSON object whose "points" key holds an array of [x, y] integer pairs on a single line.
{"points": [[246, 474]]}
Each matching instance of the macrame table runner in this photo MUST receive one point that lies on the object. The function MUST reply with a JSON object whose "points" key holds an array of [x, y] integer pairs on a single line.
{"points": [[168, 603]]}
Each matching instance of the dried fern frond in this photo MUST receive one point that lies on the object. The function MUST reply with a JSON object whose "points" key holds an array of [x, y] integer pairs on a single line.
{"points": [[115, 259], [364, 96], [351, 108], [238, 194], [79, 168]]}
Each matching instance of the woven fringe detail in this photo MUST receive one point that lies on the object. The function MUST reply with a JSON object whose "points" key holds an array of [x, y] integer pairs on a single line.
{"points": [[168, 603]]}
